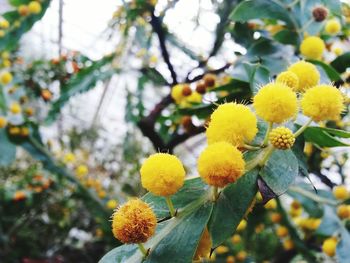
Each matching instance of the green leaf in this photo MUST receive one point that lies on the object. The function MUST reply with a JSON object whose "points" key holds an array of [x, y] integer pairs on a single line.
{"points": [[252, 9], [192, 190], [286, 36], [342, 62], [83, 81], [232, 205], [343, 251], [7, 149], [322, 137], [18, 2], [14, 33], [171, 239], [332, 74], [153, 75], [3, 106], [330, 222], [280, 171]]}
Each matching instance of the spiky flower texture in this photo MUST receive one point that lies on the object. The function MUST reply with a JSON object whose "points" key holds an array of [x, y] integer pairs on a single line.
{"points": [[289, 78], [312, 47], [134, 222], [162, 174], [282, 138], [275, 102], [307, 73], [233, 123], [220, 163], [322, 102]]}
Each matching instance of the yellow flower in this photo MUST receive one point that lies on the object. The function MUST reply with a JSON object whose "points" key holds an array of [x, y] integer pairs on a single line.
{"points": [[281, 231], [34, 7], [204, 246], [242, 225], [81, 170], [241, 255], [14, 130], [188, 101], [6, 63], [288, 244], [307, 73], [23, 10], [282, 138], [5, 78], [236, 238], [3, 122], [230, 259], [15, 108], [275, 102], [162, 174], [221, 250], [25, 131], [322, 102], [338, 51], [2, 33], [220, 164], [134, 222], [233, 123], [343, 211], [288, 78], [275, 217], [4, 24], [176, 93], [272, 204], [101, 194], [329, 246], [69, 158], [112, 204], [333, 27], [340, 192], [312, 47]]}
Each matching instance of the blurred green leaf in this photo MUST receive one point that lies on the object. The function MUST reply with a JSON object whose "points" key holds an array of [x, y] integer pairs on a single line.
{"points": [[330, 71], [14, 33], [232, 205], [251, 9], [286, 36], [343, 251], [280, 171], [342, 62], [330, 222], [83, 81], [323, 138], [7, 149], [154, 76]]}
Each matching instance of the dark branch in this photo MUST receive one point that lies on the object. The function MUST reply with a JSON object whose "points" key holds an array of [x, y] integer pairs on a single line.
{"points": [[215, 71], [157, 27], [324, 179]]}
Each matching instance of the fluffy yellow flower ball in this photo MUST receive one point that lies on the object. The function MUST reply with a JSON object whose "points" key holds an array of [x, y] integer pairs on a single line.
{"points": [[307, 73], [220, 164], [322, 102], [282, 138], [343, 212], [329, 246], [340, 192], [3, 122], [312, 47], [162, 174], [204, 246], [34, 7], [176, 93], [288, 244], [333, 27], [288, 78], [242, 225], [282, 231], [275, 102], [134, 222], [69, 158], [112, 204], [272, 204], [233, 123], [5, 78], [195, 97], [241, 256], [2, 33], [81, 170], [4, 24], [15, 108]]}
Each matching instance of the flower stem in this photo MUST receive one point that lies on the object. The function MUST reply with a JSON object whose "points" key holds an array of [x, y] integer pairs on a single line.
{"points": [[215, 195], [143, 249], [251, 147], [170, 206], [266, 139], [266, 156], [302, 128]]}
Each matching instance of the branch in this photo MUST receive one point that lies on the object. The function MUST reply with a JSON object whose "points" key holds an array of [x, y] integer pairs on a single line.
{"points": [[180, 138], [324, 179], [157, 28], [215, 71]]}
